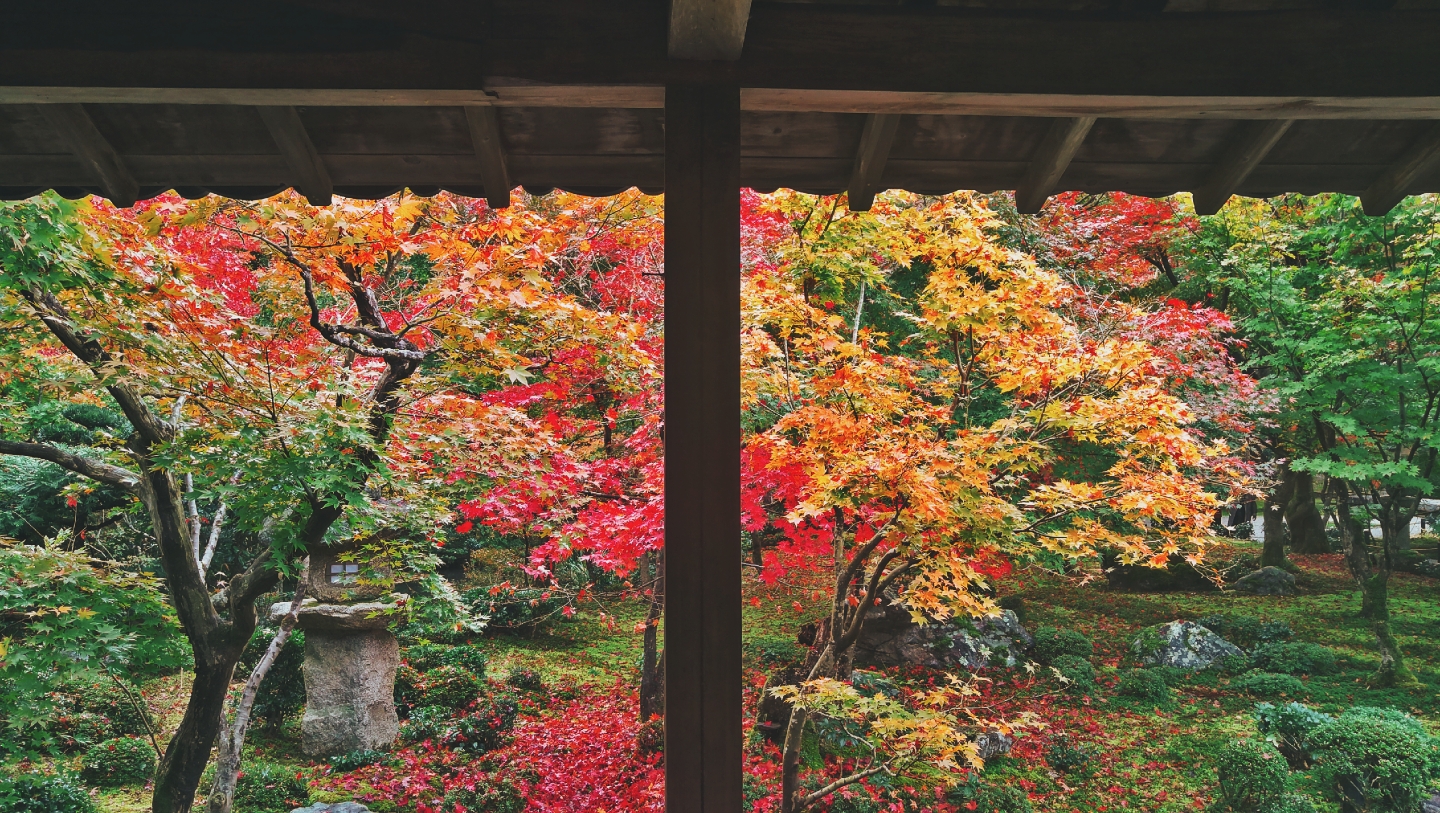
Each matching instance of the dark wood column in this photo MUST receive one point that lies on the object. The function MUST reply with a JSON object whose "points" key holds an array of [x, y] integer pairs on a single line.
{"points": [[702, 449]]}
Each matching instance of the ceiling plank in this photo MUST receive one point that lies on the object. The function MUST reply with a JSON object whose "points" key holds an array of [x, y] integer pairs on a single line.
{"points": [[1388, 189], [90, 146], [1049, 162], [1240, 157], [485, 134], [875, 142], [708, 29], [312, 178]]}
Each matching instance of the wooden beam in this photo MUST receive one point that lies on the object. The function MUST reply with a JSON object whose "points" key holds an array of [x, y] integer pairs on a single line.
{"points": [[485, 135], [78, 131], [708, 29], [1241, 155], [1388, 189], [875, 141], [312, 179], [703, 735], [1049, 162]]}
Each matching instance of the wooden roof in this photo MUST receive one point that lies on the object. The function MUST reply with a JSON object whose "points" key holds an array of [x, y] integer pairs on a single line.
{"points": [[1256, 97]]}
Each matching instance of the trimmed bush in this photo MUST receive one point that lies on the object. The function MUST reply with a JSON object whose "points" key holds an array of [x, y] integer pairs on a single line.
{"points": [[111, 702], [121, 761], [1078, 671], [265, 788], [1293, 803], [526, 680], [1052, 643], [1246, 631], [44, 793], [1289, 726], [428, 657], [1232, 664], [449, 687], [1069, 758], [1253, 776], [1144, 684], [354, 760], [491, 794], [1295, 658], [1381, 760], [426, 723], [483, 727], [79, 730], [1266, 684], [1000, 799]]}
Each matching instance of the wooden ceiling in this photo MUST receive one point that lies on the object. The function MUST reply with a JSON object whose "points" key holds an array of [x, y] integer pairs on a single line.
{"points": [[362, 98]]}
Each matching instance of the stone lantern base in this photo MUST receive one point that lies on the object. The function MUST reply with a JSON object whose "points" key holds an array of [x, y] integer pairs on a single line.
{"points": [[350, 663]]}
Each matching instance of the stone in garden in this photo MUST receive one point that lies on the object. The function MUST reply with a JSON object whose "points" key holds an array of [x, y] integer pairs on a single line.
{"points": [[1267, 581], [349, 691], [1432, 805], [336, 807], [362, 617], [891, 637], [1183, 645], [993, 744]]}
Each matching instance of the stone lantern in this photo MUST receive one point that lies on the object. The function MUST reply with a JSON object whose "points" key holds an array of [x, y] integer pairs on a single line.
{"points": [[350, 655]]}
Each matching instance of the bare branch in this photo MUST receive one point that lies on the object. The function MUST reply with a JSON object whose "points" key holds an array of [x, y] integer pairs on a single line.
{"points": [[83, 466]]}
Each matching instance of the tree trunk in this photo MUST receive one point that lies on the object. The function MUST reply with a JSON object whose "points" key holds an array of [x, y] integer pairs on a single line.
{"points": [[189, 750], [1373, 577], [232, 737], [1302, 517], [652, 668], [1273, 554]]}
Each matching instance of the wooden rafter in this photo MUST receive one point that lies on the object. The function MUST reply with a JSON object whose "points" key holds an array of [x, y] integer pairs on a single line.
{"points": [[485, 135], [89, 145], [875, 141], [1387, 190], [312, 179], [1240, 157], [708, 29], [1061, 142]]}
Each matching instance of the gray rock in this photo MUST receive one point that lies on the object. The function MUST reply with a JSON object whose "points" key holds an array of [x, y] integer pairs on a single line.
{"points": [[1267, 581], [1183, 645], [337, 807], [890, 637], [361, 617], [993, 744], [349, 691], [1432, 805]]}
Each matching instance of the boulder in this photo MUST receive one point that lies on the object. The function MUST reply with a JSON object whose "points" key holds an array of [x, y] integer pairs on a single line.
{"points": [[349, 691], [891, 637], [1267, 581], [1183, 645], [361, 617], [1431, 805], [993, 744], [335, 807]]}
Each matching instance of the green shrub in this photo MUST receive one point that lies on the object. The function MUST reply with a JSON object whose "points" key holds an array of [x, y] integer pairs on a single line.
{"points": [[1144, 684], [775, 649], [121, 761], [1288, 726], [1267, 684], [1293, 803], [526, 680], [1233, 664], [109, 700], [1067, 757], [1016, 605], [1253, 776], [1295, 658], [358, 759], [1052, 643], [282, 692], [78, 730], [407, 689], [483, 727], [1076, 670], [44, 793], [1381, 756], [526, 608], [491, 794], [426, 723], [1246, 631], [264, 788], [449, 686], [428, 657], [988, 798]]}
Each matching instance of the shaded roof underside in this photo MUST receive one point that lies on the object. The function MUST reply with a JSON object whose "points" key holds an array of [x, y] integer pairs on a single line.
{"points": [[599, 144]]}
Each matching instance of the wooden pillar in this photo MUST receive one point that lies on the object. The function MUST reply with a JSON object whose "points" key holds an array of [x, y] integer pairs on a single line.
{"points": [[702, 449]]}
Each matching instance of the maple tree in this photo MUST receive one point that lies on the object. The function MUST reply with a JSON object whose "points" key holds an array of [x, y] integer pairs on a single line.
{"points": [[1000, 430], [1339, 309], [278, 363]]}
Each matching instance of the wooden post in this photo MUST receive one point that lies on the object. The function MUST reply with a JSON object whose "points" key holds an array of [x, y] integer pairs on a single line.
{"points": [[702, 449]]}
